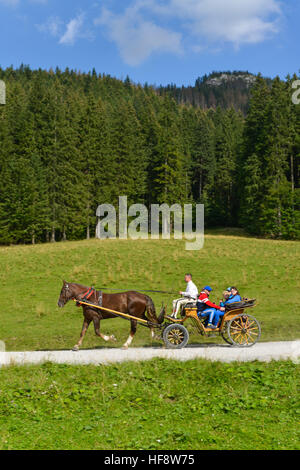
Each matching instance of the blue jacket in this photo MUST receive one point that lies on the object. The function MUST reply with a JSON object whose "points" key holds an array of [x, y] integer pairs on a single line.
{"points": [[232, 298]]}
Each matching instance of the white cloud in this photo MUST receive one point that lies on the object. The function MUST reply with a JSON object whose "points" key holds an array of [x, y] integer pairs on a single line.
{"points": [[136, 37], [144, 26], [73, 30], [236, 21], [53, 26], [67, 33]]}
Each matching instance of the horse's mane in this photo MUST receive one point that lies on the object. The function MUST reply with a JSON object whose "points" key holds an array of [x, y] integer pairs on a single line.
{"points": [[78, 285]]}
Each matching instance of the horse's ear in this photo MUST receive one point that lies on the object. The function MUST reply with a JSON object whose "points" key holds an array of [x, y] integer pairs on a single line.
{"points": [[65, 282]]}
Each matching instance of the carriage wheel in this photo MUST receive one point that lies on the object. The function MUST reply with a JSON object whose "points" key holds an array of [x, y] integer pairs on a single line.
{"points": [[224, 334], [175, 336], [243, 330]]}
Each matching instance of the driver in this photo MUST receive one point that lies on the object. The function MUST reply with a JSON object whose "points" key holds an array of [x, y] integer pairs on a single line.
{"points": [[190, 295]]}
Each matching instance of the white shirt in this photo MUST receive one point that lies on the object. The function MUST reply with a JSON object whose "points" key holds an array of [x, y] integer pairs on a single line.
{"points": [[191, 290]]}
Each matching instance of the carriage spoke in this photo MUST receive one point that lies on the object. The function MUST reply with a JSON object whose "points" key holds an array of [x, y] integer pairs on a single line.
{"points": [[237, 338], [253, 333], [244, 330], [175, 336]]}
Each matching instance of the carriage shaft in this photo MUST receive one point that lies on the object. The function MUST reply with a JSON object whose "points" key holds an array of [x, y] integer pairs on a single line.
{"points": [[126, 316]]}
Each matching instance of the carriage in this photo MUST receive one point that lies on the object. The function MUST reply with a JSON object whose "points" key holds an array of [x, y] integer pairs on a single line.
{"points": [[237, 328]]}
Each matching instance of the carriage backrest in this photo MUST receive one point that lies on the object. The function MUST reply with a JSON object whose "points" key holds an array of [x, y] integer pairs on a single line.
{"points": [[232, 313]]}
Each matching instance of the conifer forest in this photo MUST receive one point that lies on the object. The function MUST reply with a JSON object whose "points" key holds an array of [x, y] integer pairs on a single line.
{"points": [[70, 141]]}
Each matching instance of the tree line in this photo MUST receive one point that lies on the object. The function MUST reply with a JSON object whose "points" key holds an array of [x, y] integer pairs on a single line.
{"points": [[70, 141]]}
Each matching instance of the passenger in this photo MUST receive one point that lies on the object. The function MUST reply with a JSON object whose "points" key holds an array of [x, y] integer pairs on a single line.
{"points": [[231, 295], [234, 296], [226, 296], [206, 308]]}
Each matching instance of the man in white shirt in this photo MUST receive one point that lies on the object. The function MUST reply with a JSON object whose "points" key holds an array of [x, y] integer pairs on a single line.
{"points": [[190, 295]]}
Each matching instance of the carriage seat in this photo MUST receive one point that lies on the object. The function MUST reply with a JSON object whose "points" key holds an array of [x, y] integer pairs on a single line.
{"points": [[242, 304], [191, 304]]}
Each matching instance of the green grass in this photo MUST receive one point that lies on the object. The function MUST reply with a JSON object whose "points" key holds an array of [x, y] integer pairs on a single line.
{"points": [[150, 405], [31, 279]]}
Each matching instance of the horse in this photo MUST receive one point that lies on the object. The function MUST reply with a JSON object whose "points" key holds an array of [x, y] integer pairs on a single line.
{"points": [[130, 302]]}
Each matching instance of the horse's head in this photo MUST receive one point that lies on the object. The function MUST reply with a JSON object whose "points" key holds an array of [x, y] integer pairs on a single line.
{"points": [[66, 294]]}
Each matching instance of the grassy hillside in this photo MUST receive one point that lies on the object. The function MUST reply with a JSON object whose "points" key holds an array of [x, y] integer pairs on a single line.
{"points": [[152, 405], [31, 279]]}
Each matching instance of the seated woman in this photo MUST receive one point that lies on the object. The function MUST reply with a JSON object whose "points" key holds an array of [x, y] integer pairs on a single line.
{"points": [[233, 297], [230, 295]]}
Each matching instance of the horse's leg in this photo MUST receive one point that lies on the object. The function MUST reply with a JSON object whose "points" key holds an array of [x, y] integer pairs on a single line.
{"points": [[83, 332], [153, 335], [132, 333], [97, 331]]}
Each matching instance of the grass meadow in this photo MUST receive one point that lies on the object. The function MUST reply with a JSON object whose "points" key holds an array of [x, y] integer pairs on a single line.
{"points": [[158, 404], [150, 405], [31, 280]]}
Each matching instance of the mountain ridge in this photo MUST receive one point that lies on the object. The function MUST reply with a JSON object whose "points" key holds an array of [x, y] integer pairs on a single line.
{"points": [[226, 89]]}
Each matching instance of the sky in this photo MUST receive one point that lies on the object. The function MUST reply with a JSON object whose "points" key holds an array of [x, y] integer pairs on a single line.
{"points": [[153, 41]]}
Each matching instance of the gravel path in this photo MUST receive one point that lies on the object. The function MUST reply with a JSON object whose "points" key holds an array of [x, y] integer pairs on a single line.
{"points": [[264, 352]]}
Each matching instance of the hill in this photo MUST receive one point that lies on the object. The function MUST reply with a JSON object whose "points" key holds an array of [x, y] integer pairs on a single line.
{"points": [[224, 89], [31, 277]]}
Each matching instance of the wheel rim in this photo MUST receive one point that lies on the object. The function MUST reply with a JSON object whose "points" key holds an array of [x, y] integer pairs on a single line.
{"points": [[175, 336], [224, 334], [244, 330]]}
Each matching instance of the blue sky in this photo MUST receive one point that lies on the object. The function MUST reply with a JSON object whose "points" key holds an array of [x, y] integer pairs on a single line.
{"points": [[152, 41]]}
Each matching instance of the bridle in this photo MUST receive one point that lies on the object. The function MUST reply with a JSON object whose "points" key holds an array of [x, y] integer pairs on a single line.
{"points": [[83, 297]]}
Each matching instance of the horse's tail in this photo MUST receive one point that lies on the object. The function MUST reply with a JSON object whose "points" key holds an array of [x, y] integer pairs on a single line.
{"points": [[152, 313]]}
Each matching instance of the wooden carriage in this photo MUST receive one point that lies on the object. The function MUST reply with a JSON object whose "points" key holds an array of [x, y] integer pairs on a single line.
{"points": [[236, 327]]}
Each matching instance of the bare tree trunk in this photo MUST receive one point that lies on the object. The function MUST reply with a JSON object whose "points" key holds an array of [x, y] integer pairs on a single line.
{"points": [[279, 220], [88, 222], [292, 173], [293, 186], [201, 185], [53, 235]]}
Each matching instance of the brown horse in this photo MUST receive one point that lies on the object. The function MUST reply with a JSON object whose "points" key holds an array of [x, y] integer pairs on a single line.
{"points": [[131, 302]]}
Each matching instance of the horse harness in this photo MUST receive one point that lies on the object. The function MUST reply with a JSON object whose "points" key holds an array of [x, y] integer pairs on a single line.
{"points": [[89, 294]]}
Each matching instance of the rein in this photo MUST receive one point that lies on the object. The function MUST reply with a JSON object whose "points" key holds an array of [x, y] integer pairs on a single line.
{"points": [[136, 290], [86, 296]]}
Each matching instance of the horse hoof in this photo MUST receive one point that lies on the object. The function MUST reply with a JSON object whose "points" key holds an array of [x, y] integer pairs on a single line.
{"points": [[125, 347], [113, 338], [76, 348]]}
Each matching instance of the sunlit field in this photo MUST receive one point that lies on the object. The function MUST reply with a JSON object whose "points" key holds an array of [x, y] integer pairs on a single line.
{"points": [[150, 405], [31, 280]]}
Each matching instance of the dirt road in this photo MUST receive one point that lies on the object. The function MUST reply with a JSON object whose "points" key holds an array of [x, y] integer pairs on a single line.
{"points": [[264, 352]]}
